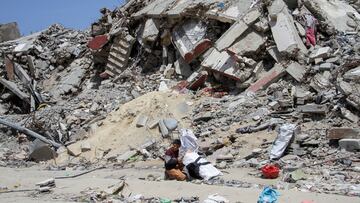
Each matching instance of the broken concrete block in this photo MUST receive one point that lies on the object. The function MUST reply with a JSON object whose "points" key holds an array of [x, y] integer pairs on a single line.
{"points": [[274, 53], [169, 71], [153, 123], [141, 122], [349, 115], [40, 151], [189, 39], [270, 77], [14, 89], [344, 87], [74, 149], [326, 66], [9, 31], [236, 30], [301, 29], [333, 13], [321, 82], [351, 145], [126, 156], [163, 129], [249, 43], [341, 133], [197, 80], [224, 64], [274, 105], [312, 109], [321, 52], [85, 146], [150, 31], [182, 68], [297, 71], [170, 123], [353, 74], [283, 29]]}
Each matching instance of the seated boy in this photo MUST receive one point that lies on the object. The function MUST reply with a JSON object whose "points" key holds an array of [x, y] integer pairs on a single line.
{"points": [[172, 172]]}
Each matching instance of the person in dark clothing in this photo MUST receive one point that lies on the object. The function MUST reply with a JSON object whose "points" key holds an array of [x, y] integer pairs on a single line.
{"points": [[173, 151]]}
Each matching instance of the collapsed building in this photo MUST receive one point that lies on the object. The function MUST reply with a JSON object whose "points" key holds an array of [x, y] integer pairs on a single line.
{"points": [[258, 60]]}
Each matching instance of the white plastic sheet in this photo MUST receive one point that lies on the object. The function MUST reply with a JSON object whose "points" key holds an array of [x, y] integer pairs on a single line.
{"points": [[207, 171], [286, 132], [188, 142]]}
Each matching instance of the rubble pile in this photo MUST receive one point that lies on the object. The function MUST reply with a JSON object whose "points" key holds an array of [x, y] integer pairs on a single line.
{"points": [[252, 68]]}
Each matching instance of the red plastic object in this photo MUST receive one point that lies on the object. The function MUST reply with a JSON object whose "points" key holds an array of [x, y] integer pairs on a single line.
{"points": [[270, 171]]}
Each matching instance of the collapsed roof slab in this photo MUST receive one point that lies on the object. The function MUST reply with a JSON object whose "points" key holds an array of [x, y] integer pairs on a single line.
{"points": [[334, 12]]}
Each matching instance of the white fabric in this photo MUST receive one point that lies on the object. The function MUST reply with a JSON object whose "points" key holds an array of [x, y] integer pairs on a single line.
{"points": [[206, 171], [188, 142]]}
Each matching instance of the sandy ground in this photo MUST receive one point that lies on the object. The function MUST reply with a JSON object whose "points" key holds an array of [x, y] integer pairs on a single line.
{"points": [[136, 178]]}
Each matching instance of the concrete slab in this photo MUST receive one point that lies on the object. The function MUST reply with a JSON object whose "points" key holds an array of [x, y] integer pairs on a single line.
{"points": [[270, 77], [333, 12], [232, 13], [249, 43], [236, 30], [283, 29], [297, 71]]}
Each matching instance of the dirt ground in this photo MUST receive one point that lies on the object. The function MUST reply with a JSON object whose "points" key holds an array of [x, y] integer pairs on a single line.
{"points": [[67, 190]]}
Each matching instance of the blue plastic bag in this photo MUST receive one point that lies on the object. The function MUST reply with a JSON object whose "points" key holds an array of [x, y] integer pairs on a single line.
{"points": [[268, 195]]}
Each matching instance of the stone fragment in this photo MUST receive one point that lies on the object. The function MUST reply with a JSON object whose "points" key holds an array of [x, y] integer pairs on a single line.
{"points": [[351, 145], [40, 151], [313, 109], [249, 43], [153, 123], [85, 146], [150, 32], [321, 52], [349, 115], [74, 149], [163, 129], [297, 71], [170, 123], [326, 66], [353, 74], [141, 122], [126, 156]]}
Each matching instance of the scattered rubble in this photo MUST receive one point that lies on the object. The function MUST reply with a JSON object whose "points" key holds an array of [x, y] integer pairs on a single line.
{"points": [[120, 91]]}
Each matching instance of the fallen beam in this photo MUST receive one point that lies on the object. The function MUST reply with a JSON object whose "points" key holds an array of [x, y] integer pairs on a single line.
{"points": [[29, 133]]}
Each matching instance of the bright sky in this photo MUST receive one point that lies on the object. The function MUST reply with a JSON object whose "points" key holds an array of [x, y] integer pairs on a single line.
{"points": [[36, 15]]}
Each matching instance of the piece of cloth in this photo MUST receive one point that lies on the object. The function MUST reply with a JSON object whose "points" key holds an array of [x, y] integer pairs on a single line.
{"points": [[175, 174], [310, 36]]}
